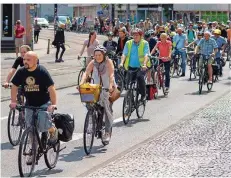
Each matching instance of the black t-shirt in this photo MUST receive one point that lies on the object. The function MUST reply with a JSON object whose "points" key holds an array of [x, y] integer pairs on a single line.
{"points": [[19, 62], [35, 84]]}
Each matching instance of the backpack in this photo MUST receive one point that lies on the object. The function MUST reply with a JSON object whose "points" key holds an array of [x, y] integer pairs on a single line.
{"points": [[193, 33], [65, 125]]}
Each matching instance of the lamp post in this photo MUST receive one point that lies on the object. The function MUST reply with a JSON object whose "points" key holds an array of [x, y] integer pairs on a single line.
{"points": [[160, 13], [55, 18]]}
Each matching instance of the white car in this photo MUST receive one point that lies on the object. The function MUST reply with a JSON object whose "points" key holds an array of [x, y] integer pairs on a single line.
{"points": [[43, 22]]}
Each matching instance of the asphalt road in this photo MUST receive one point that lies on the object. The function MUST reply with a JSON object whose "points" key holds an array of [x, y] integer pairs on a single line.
{"points": [[160, 116]]}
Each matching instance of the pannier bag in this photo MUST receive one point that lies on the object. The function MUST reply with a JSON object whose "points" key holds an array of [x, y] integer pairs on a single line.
{"points": [[65, 124]]}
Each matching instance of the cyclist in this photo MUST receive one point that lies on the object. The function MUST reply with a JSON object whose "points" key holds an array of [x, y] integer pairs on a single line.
{"points": [[135, 55], [180, 41], [103, 73], [109, 44], [191, 34], [68, 24], [208, 47], [165, 51], [151, 41], [121, 41], [221, 42], [90, 43], [18, 62], [39, 92]]}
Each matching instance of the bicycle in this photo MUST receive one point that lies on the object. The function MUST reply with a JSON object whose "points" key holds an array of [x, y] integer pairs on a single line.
{"points": [[84, 64], [176, 63], [194, 67], [204, 76], [38, 147], [15, 126], [131, 100], [152, 74], [161, 77], [94, 117]]}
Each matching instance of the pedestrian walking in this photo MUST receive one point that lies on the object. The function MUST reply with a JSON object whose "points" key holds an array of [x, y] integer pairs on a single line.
{"points": [[59, 42], [19, 32], [37, 29]]}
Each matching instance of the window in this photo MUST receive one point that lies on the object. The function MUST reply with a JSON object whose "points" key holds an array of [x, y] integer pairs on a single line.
{"points": [[7, 15]]}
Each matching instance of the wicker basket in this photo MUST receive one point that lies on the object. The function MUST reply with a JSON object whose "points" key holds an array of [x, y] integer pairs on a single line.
{"points": [[89, 93]]}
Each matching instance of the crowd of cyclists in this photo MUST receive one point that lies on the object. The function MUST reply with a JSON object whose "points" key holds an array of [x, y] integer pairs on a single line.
{"points": [[136, 49]]}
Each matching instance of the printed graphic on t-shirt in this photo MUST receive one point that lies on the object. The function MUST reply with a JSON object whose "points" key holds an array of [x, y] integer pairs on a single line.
{"points": [[31, 87]]}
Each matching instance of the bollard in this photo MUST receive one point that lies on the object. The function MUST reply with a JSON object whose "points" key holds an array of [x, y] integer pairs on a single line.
{"points": [[48, 47]]}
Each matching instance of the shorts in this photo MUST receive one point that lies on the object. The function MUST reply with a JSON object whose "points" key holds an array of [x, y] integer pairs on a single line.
{"points": [[210, 61], [18, 42], [44, 119]]}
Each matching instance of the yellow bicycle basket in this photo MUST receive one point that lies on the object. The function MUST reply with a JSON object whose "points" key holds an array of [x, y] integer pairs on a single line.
{"points": [[89, 93]]}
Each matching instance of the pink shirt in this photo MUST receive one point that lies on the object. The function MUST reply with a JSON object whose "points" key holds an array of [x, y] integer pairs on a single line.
{"points": [[164, 48]]}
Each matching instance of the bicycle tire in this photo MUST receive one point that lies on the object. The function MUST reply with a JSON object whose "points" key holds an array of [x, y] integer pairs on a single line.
{"points": [[172, 70], [11, 121], [21, 152], [163, 85], [81, 72], [56, 148], [138, 105], [230, 63], [119, 81], [201, 80], [88, 150], [127, 98]]}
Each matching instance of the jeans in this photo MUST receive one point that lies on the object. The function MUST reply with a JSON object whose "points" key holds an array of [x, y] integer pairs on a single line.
{"points": [[139, 76], [36, 36], [183, 57], [58, 46], [167, 73]]}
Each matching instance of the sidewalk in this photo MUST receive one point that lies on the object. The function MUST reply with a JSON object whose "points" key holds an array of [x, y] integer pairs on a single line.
{"points": [[199, 146], [40, 48]]}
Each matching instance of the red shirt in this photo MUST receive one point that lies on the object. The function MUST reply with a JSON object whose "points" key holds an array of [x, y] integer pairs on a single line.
{"points": [[164, 48], [18, 30]]}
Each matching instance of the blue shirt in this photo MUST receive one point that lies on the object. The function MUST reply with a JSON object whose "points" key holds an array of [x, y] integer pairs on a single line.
{"points": [[207, 46], [180, 40], [220, 42], [197, 41], [134, 56]]}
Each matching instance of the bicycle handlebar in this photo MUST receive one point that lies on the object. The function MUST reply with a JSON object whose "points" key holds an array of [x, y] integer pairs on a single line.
{"points": [[32, 107], [85, 57]]}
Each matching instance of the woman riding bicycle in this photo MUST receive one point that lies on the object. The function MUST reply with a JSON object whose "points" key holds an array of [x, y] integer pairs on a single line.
{"points": [[102, 70], [165, 49]]}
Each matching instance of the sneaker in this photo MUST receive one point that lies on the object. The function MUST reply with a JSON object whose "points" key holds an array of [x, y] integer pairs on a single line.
{"points": [[106, 138], [210, 82], [182, 75], [166, 89], [29, 160], [57, 60], [54, 137], [61, 60]]}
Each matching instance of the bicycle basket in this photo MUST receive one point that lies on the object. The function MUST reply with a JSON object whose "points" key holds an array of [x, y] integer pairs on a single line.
{"points": [[89, 93]]}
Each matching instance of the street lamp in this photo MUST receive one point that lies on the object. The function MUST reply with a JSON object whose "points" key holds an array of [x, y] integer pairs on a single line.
{"points": [[160, 13]]}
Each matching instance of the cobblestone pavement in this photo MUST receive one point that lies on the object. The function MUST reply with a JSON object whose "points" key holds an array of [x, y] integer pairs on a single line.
{"points": [[199, 146]]}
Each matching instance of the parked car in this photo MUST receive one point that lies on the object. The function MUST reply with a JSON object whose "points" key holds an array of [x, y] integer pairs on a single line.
{"points": [[43, 22]]}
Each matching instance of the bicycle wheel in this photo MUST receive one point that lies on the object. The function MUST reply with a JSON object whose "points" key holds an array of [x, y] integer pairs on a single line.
{"points": [[230, 63], [119, 81], [52, 152], [163, 84], [89, 130], [81, 72], [29, 154], [14, 128], [127, 106], [201, 80], [172, 70], [140, 105]]}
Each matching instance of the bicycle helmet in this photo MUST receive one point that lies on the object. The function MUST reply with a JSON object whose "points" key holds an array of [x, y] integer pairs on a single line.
{"points": [[151, 32], [110, 34], [147, 34], [217, 31], [137, 31], [172, 34], [100, 48]]}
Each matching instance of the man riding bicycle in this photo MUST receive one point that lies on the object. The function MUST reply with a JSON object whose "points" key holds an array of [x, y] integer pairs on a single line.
{"points": [[221, 42], [208, 47], [135, 55], [39, 92]]}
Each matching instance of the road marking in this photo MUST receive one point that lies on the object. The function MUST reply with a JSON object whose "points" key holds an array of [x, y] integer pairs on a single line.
{"points": [[118, 120], [59, 68], [75, 136]]}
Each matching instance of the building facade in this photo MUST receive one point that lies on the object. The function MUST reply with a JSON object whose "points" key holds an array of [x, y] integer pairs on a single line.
{"points": [[206, 12], [10, 13]]}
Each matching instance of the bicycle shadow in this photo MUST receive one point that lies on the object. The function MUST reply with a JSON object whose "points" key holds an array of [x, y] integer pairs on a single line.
{"points": [[131, 122], [202, 93], [7, 146], [78, 153], [228, 83], [77, 93], [44, 172]]}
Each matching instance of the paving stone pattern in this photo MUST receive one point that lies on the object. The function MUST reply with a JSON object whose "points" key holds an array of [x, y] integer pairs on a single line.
{"points": [[199, 146]]}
